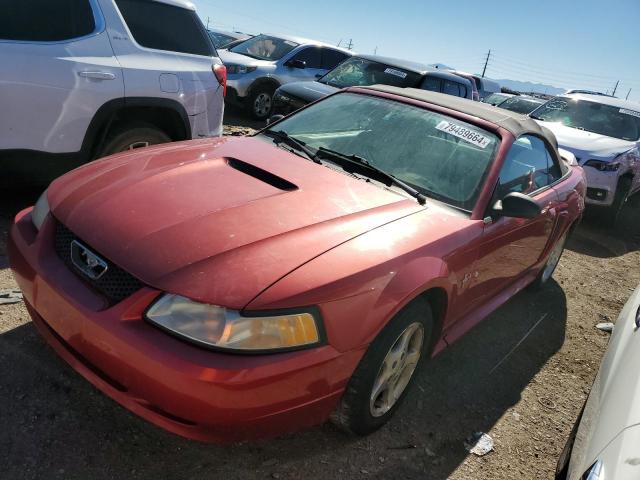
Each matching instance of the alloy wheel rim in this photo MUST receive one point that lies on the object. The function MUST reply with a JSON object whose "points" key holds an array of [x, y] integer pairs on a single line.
{"points": [[396, 370], [262, 104], [554, 259]]}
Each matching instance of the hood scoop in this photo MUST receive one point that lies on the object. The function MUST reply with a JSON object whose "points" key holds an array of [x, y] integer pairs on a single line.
{"points": [[262, 175]]}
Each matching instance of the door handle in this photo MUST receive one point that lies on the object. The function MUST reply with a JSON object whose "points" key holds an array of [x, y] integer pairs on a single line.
{"points": [[98, 75]]}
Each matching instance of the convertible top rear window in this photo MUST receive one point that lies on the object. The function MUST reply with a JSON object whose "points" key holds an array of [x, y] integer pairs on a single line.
{"points": [[440, 156]]}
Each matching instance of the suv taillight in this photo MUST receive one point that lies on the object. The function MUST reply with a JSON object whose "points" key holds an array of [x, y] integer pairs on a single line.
{"points": [[220, 71]]}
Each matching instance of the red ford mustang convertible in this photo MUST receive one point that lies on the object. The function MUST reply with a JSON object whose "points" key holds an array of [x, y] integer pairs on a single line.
{"points": [[245, 287]]}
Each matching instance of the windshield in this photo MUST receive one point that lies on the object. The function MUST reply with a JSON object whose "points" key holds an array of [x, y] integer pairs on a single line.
{"points": [[593, 117], [441, 157], [495, 98], [265, 47], [360, 72], [220, 39], [520, 105]]}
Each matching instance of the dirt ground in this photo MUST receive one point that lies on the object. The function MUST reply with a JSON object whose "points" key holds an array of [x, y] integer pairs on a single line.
{"points": [[521, 376]]}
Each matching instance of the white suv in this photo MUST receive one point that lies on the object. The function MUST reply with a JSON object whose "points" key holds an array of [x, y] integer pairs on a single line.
{"points": [[604, 134], [81, 79]]}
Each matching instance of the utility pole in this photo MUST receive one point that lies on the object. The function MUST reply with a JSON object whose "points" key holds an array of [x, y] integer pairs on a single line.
{"points": [[350, 46], [615, 88], [375, 51], [207, 23], [486, 63], [628, 94]]}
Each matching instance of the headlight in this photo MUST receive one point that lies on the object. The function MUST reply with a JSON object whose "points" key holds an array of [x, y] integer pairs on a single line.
{"points": [[40, 211], [213, 326], [603, 166], [595, 472], [235, 69]]}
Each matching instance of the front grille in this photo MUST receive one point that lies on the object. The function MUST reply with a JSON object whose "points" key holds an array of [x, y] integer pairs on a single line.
{"points": [[115, 284]]}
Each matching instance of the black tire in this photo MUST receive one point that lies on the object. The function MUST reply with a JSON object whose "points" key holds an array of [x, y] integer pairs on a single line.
{"points": [[131, 136], [544, 276], [619, 201], [265, 93], [354, 413]]}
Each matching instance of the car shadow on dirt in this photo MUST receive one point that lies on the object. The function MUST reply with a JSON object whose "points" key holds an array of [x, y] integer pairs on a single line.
{"points": [[237, 121], [595, 238], [56, 425]]}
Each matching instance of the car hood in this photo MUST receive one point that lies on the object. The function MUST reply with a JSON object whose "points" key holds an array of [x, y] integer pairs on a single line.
{"points": [[585, 145], [229, 57], [217, 220], [308, 91]]}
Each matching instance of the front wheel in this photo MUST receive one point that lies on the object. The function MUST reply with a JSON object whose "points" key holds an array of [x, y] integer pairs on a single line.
{"points": [[386, 371], [261, 102], [619, 201]]}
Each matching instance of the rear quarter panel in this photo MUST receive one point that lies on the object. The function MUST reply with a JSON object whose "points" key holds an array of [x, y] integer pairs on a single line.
{"points": [[571, 196]]}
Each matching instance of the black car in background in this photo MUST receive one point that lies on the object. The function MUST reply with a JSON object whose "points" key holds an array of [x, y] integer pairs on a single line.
{"points": [[224, 39], [497, 98], [363, 70]]}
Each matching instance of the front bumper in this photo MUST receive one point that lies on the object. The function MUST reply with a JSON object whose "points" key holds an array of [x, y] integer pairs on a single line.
{"points": [[241, 82], [284, 104], [196, 393], [601, 187]]}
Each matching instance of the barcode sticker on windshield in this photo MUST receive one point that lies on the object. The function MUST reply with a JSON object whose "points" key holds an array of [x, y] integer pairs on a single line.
{"points": [[464, 133], [630, 112], [397, 73]]}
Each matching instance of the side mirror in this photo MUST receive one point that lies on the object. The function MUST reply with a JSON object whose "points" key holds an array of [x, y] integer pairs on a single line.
{"points": [[319, 75], [516, 205], [274, 119], [294, 63]]}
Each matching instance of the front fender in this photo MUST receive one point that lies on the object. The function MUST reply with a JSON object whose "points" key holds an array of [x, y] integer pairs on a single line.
{"points": [[356, 295]]}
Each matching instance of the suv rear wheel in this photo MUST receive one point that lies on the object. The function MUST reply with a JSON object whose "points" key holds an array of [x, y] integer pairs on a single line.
{"points": [[132, 136]]}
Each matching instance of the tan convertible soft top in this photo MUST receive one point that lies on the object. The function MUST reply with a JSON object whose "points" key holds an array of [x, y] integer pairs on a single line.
{"points": [[515, 123]]}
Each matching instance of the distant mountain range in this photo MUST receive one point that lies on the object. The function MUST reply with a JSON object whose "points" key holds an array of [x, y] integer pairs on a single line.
{"points": [[530, 87], [516, 85]]}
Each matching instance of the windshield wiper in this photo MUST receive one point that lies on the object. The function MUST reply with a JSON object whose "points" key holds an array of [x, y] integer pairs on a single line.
{"points": [[351, 163], [283, 137], [535, 117]]}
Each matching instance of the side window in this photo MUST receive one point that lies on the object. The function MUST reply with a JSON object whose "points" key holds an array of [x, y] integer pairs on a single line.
{"points": [[311, 56], [527, 168], [331, 58], [555, 171], [165, 27], [432, 84], [451, 88], [45, 20]]}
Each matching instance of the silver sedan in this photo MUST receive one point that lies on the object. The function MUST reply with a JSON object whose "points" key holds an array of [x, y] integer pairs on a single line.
{"points": [[605, 444]]}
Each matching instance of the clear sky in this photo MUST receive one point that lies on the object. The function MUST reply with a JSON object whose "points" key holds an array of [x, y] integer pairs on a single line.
{"points": [[568, 44]]}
